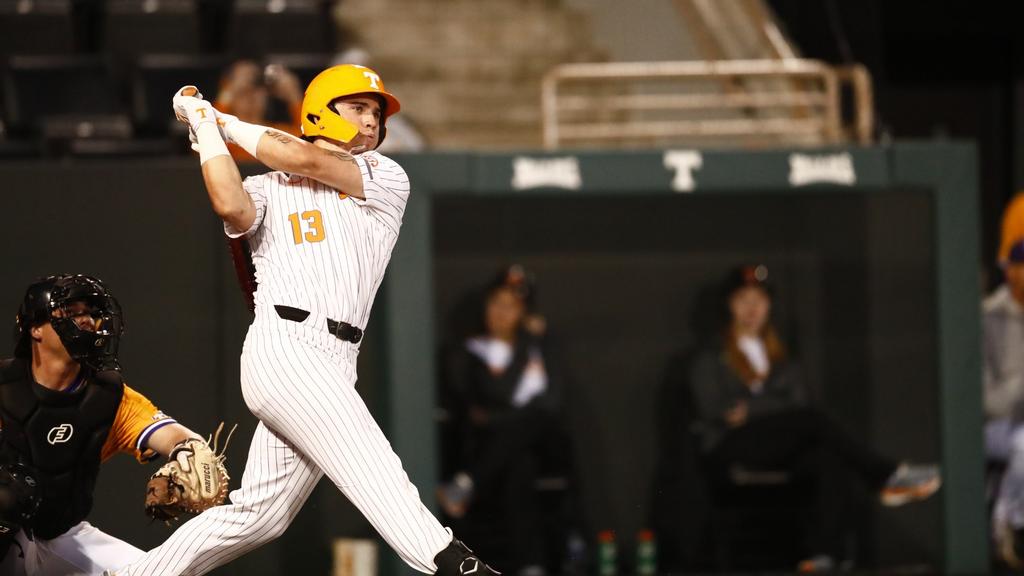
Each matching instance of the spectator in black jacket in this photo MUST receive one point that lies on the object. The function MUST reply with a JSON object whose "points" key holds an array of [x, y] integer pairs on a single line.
{"points": [[505, 399], [753, 414]]}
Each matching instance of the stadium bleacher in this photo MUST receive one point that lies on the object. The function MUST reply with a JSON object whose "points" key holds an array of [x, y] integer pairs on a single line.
{"points": [[258, 27], [93, 77], [38, 27], [148, 26], [157, 75]]}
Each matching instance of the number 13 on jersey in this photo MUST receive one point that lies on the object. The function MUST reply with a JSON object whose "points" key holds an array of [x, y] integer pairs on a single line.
{"points": [[314, 226]]}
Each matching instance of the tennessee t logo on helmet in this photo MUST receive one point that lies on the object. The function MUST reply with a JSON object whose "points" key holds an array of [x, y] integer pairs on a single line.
{"points": [[320, 119]]}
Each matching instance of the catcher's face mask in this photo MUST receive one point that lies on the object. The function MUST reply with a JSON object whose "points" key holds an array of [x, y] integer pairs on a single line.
{"points": [[88, 321]]}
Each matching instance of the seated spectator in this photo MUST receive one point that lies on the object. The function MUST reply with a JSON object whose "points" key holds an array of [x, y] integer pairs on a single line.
{"points": [[1003, 336], [753, 413], [505, 398], [245, 91]]}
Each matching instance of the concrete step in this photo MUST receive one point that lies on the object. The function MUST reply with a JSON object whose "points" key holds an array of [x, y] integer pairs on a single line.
{"points": [[387, 11], [468, 72], [486, 137], [476, 66]]}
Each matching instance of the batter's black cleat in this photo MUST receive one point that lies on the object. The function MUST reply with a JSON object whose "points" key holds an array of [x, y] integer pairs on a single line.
{"points": [[458, 560]]}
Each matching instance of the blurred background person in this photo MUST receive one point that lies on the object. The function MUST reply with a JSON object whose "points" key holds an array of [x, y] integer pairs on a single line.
{"points": [[504, 391], [1012, 227], [247, 91], [753, 413], [1003, 362]]}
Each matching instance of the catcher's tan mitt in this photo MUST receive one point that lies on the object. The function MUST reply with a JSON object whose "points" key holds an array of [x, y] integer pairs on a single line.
{"points": [[193, 479]]}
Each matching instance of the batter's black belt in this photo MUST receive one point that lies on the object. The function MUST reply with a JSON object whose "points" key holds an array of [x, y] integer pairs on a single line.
{"points": [[340, 330]]}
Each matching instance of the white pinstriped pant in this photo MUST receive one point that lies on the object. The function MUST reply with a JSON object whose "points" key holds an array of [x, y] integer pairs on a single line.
{"points": [[300, 383]]}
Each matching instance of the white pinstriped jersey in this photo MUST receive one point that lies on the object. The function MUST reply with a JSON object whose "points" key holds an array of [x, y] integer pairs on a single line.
{"points": [[320, 250]]}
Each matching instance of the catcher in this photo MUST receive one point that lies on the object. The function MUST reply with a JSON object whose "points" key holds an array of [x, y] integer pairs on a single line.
{"points": [[64, 409]]}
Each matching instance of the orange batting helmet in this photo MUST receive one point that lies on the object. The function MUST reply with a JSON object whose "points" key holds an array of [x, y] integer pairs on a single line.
{"points": [[320, 119]]}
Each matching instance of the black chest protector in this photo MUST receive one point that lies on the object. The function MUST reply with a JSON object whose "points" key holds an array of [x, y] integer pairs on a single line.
{"points": [[59, 434]]}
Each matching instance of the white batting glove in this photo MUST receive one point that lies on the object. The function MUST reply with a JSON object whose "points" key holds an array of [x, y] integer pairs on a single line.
{"points": [[224, 120], [201, 117], [193, 110], [190, 108], [193, 139]]}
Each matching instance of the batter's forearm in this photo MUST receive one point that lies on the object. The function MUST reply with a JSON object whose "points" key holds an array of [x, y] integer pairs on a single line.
{"points": [[284, 152], [280, 151], [227, 197], [335, 168]]}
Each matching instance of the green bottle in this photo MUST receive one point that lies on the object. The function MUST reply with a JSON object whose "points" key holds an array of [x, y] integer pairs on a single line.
{"points": [[646, 554], [607, 555]]}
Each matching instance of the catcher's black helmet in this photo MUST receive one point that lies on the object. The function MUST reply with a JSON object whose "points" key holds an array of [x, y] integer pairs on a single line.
{"points": [[48, 300]]}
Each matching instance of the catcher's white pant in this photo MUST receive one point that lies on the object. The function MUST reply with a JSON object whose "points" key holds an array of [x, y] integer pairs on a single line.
{"points": [[300, 383], [83, 550]]}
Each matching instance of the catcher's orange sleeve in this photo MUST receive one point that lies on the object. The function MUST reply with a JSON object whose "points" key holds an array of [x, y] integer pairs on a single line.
{"points": [[137, 418]]}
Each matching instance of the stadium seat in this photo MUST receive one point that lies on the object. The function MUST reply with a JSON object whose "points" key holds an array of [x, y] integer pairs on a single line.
{"points": [[59, 131], [72, 126], [259, 27], [37, 27], [36, 87], [18, 149], [15, 148], [132, 27], [155, 79], [305, 66], [98, 136]]}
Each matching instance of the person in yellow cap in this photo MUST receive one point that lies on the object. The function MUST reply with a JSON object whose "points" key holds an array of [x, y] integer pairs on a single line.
{"points": [[1013, 226], [320, 229]]}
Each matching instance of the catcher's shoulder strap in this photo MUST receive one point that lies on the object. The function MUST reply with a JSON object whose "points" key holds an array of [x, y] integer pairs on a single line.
{"points": [[36, 410], [16, 399]]}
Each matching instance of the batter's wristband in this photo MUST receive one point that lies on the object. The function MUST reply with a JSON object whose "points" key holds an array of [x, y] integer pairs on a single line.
{"points": [[246, 135], [211, 144]]}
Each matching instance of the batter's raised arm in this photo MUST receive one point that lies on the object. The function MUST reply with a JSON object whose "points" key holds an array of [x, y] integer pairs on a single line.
{"points": [[223, 181], [280, 151]]}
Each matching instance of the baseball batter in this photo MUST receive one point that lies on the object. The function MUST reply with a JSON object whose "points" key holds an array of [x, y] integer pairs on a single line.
{"points": [[321, 229]]}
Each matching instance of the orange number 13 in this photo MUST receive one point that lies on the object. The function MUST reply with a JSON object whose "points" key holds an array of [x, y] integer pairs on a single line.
{"points": [[313, 221]]}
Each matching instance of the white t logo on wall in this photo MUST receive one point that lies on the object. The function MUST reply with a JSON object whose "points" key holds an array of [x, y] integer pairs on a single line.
{"points": [[541, 172], [684, 162], [59, 434], [374, 79]]}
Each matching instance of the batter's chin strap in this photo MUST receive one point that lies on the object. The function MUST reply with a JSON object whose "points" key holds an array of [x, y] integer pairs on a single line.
{"points": [[245, 271], [459, 560]]}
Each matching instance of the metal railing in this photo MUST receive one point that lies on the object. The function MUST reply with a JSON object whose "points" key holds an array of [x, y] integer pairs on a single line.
{"points": [[790, 101]]}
